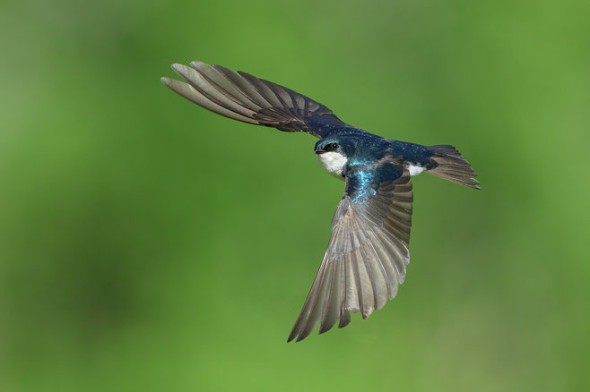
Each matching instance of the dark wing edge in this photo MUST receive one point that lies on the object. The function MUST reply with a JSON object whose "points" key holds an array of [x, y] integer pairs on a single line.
{"points": [[243, 97], [366, 259]]}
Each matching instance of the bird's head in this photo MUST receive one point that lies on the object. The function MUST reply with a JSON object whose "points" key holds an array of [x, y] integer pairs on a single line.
{"points": [[333, 153]]}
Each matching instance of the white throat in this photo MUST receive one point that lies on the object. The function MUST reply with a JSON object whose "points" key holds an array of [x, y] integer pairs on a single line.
{"points": [[333, 162]]}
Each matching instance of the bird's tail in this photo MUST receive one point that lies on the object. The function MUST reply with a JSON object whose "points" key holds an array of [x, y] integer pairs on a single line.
{"points": [[452, 166]]}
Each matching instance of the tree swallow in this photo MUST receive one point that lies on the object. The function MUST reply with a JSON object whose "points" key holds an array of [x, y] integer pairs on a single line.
{"points": [[368, 251]]}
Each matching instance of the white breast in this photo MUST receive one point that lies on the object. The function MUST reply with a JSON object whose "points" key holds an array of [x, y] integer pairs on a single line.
{"points": [[333, 162]]}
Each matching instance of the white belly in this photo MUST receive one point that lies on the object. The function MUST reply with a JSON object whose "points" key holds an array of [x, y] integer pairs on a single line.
{"points": [[415, 169], [333, 162]]}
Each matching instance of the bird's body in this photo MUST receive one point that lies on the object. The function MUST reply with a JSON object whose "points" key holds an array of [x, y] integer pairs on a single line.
{"points": [[368, 251]]}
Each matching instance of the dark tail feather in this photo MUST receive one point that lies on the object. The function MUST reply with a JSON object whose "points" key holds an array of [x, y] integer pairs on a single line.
{"points": [[451, 166]]}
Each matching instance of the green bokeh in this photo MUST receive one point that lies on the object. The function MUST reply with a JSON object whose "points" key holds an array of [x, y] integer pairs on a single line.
{"points": [[149, 245]]}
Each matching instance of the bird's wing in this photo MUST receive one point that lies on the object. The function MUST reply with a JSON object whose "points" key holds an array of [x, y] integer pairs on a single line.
{"points": [[246, 98], [368, 252]]}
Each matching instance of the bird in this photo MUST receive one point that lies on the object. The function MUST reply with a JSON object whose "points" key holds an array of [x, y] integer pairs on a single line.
{"points": [[368, 250]]}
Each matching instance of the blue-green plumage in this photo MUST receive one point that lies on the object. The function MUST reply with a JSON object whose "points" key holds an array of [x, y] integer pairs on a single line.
{"points": [[368, 253], [364, 180]]}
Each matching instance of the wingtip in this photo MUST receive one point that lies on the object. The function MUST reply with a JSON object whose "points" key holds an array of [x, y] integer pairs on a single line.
{"points": [[197, 64], [366, 312], [178, 68], [297, 336], [326, 327], [472, 183], [300, 338], [166, 81], [344, 319]]}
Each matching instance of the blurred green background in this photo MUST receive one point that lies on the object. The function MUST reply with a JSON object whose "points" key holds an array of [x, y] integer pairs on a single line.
{"points": [[149, 245]]}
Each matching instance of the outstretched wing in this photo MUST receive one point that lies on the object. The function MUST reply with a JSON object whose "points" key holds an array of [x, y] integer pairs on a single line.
{"points": [[246, 98], [368, 252]]}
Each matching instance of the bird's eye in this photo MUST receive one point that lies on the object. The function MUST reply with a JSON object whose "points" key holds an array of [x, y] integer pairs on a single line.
{"points": [[331, 147]]}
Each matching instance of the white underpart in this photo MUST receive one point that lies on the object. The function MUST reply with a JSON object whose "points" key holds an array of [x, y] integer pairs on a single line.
{"points": [[333, 162], [415, 169]]}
